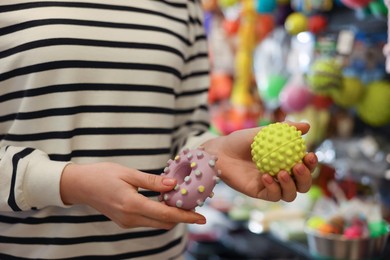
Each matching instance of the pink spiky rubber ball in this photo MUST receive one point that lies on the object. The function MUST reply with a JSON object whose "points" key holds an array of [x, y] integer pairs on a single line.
{"points": [[276, 147], [196, 174]]}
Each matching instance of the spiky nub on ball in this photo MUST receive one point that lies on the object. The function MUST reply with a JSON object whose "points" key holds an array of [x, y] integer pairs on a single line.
{"points": [[277, 147]]}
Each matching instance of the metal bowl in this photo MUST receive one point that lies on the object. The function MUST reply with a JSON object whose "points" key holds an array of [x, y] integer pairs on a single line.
{"points": [[337, 247]]}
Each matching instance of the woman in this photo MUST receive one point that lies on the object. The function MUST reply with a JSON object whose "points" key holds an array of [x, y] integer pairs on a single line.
{"points": [[96, 96]]}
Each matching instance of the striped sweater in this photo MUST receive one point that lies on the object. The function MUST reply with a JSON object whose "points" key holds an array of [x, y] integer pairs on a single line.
{"points": [[124, 81]]}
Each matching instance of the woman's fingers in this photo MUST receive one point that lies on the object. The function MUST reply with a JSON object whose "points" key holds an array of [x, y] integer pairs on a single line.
{"points": [[310, 160], [272, 191], [303, 177], [162, 212], [303, 127], [289, 189], [287, 186], [142, 221], [151, 181]]}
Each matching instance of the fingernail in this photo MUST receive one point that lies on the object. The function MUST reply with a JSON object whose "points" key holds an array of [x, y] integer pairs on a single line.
{"points": [[300, 169], [286, 177], [313, 160], [201, 221], [268, 179], [168, 181]]}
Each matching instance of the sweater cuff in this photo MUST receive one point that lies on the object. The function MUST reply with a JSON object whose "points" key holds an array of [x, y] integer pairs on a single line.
{"points": [[42, 183]]}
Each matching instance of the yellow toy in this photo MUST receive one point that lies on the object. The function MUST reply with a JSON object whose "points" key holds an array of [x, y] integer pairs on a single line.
{"points": [[241, 95], [296, 23], [277, 147], [325, 76], [373, 109], [350, 93]]}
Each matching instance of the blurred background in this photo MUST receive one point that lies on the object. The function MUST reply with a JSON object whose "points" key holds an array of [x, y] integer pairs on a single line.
{"points": [[318, 61]]}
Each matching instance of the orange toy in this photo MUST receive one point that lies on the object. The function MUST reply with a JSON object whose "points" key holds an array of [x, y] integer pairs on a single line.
{"points": [[231, 26], [264, 25], [220, 87]]}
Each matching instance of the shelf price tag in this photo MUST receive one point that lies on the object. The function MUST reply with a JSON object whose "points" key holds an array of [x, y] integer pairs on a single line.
{"points": [[345, 41]]}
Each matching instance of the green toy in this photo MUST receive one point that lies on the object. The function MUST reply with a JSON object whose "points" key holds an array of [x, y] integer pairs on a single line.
{"points": [[350, 93], [325, 76], [277, 147], [373, 109]]}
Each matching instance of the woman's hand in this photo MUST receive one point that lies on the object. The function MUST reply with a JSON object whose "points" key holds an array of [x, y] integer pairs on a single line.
{"points": [[112, 189], [240, 172]]}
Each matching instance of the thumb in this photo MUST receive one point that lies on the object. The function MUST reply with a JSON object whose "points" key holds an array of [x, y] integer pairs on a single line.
{"points": [[154, 182], [303, 127]]}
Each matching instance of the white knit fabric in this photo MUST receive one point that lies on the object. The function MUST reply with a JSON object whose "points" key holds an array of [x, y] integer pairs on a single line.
{"points": [[88, 81]]}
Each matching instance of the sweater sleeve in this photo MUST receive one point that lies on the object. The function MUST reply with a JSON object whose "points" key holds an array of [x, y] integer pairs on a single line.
{"points": [[192, 117], [28, 179]]}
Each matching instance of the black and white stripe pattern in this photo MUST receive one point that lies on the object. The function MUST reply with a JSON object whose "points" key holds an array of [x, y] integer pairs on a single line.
{"points": [[87, 81]]}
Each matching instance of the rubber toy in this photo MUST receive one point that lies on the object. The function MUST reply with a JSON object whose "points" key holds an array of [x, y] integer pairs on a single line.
{"points": [[295, 98], [270, 68], [277, 147], [315, 221], [296, 23], [353, 232], [378, 8], [265, 24], [317, 23], [196, 174], [272, 87], [221, 85], [378, 228], [243, 81], [227, 3], [373, 109], [325, 76], [356, 4], [327, 228], [265, 6], [321, 102], [338, 223], [227, 118], [350, 94], [231, 26]]}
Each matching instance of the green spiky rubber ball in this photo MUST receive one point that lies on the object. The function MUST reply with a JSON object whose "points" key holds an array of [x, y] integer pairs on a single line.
{"points": [[325, 76], [277, 147]]}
